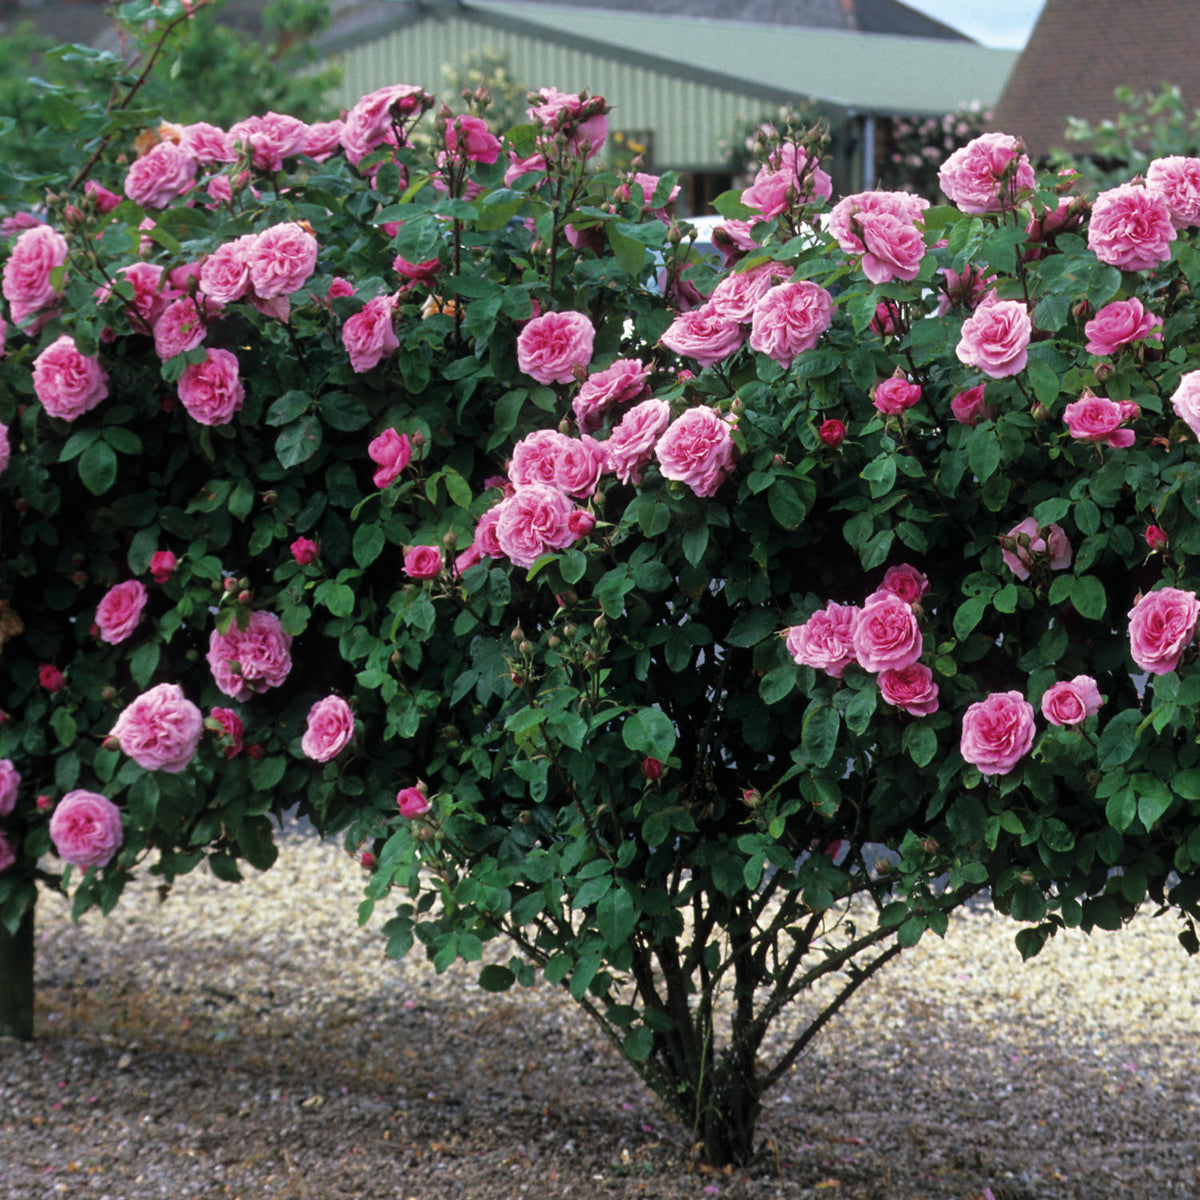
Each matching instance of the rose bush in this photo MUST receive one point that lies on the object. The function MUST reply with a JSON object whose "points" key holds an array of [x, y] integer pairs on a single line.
{"points": [[451, 555]]}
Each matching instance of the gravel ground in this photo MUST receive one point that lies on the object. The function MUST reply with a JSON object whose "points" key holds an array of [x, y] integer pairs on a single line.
{"points": [[249, 1042]]}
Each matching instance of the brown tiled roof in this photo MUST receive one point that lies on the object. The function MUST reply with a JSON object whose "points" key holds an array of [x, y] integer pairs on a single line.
{"points": [[1081, 50]]}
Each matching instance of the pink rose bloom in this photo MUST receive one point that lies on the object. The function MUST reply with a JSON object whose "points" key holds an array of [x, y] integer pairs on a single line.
{"points": [[281, 260], [621, 383], [10, 781], [478, 143], [1177, 180], [5, 449], [997, 732], [250, 660], [581, 523], [391, 452], [369, 123], [305, 551], [705, 335], [119, 611], [969, 408], [584, 122], [420, 272], [968, 289], [630, 446], [8, 856], [649, 185], [790, 319], [149, 299], [225, 274], [886, 634], [102, 199], [211, 390], [788, 169], [555, 347], [26, 279], [231, 729], [826, 640], [697, 449], [578, 468], [161, 174], [1131, 228], [339, 287], [162, 565], [1186, 400], [736, 296], [86, 829], [160, 730], [207, 144], [910, 688], [1025, 545], [423, 562], [522, 166], [535, 457], [179, 329], [894, 248], [1071, 702], [995, 339], [1094, 419], [368, 336], [1156, 537], [1120, 323], [896, 395], [905, 581], [269, 139], [330, 729], [846, 216], [485, 533], [67, 383], [534, 520], [51, 678], [1161, 626], [832, 432], [986, 174], [322, 139], [412, 802]]}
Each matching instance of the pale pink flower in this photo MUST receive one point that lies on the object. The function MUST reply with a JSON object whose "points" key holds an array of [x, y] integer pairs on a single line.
{"points": [[68, 383], [149, 296], [911, 688], [895, 395], [161, 174], [369, 123], [704, 335], [330, 729], [826, 640], [620, 383], [1093, 418], [478, 143], [583, 122], [269, 139], [697, 449], [211, 390], [1131, 228], [1162, 625], [1177, 180], [997, 732], [10, 781], [534, 520], [969, 408], [1071, 702], [369, 336], [322, 139], [555, 347], [180, 328], [423, 562], [207, 144], [788, 175], [391, 452], [1120, 323], [886, 634], [535, 457], [1027, 545], [790, 319], [631, 444], [281, 260], [85, 828], [250, 660], [986, 174], [905, 581], [27, 283], [995, 338], [119, 611], [232, 729], [736, 296], [161, 729], [1185, 400], [225, 274]]}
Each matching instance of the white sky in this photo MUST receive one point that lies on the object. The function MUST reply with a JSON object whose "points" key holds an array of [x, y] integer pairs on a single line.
{"points": [[1000, 23]]}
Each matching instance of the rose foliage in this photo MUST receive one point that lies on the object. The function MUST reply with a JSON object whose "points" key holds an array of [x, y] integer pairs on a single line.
{"points": [[703, 668]]}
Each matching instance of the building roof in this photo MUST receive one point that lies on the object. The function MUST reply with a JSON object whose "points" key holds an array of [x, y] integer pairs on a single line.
{"points": [[1081, 50]]}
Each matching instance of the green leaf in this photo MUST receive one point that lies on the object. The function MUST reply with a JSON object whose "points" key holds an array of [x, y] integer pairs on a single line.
{"points": [[144, 662], [1121, 809], [649, 731], [751, 627], [266, 773], [495, 978], [241, 499], [880, 473], [921, 743], [98, 468], [983, 455], [970, 613], [287, 408], [819, 733], [1044, 380], [1153, 802], [777, 684], [369, 542], [298, 442], [341, 411], [616, 917], [1118, 740], [629, 252], [1088, 596]]}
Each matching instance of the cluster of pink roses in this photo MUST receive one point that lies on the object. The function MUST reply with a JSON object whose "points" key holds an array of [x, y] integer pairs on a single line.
{"points": [[791, 176], [882, 230], [262, 269]]}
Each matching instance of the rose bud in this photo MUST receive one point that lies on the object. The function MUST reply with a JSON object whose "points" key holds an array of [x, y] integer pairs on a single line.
{"points": [[832, 432], [652, 768], [1156, 537]]}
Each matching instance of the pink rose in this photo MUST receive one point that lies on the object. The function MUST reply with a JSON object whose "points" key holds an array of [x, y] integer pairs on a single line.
{"points": [[826, 640], [232, 730], [832, 432], [620, 383], [421, 272], [910, 688], [269, 139], [1177, 180], [391, 452], [583, 122], [51, 678], [423, 562], [103, 200], [5, 448], [986, 174], [1071, 702], [322, 139], [886, 635], [330, 729], [578, 468], [997, 732], [207, 144], [8, 855], [1120, 323], [162, 565], [149, 298], [281, 260], [225, 274], [1186, 400], [847, 215], [161, 174], [368, 336], [631, 444], [534, 520], [535, 457], [86, 829], [1026, 546], [1161, 626], [995, 338], [369, 123], [894, 248], [649, 185], [895, 395], [789, 319], [969, 408], [305, 551], [736, 296], [412, 802], [211, 390], [10, 781], [485, 533], [788, 170], [1156, 537], [1093, 418], [1131, 228], [250, 660], [705, 335], [67, 383], [697, 449], [555, 347], [905, 581], [119, 611], [179, 329], [160, 730], [478, 143]]}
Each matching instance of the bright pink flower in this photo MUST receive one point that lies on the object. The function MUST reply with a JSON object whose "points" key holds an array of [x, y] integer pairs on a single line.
{"points": [[911, 688], [1177, 180], [620, 383], [330, 729], [787, 173], [10, 781], [478, 143], [581, 523], [269, 139], [968, 407], [895, 395], [826, 640], [161, 174], [485, 533], [51, 678], [423, 562], [968, 289], [149, 296], [211, 390], [986, 174], [119, 611], [281, 260], [535, 457], [412, 802], [997, 732], [995, 339], [322, 139], [631, 444], [225, 274], [369, 123], [556, 347], [1095, 419], [86, 829], [1120, 323], [1071, 702], [5, 448], [160, 730], [66, 382], [368, 336], [391, 452], [179, 329], [886, 634], [582, 121], [905, 581], [207, 144], [8, 855], [1026, 545], [305, 551], [832, 432], [847, 215], [1156, 537], [250, 660], [420, 272], [790, 319], [697, 449], [531, 522], [1131, 228], [103, 200], [162, 565], [736, 296], [1161, 626], [705, 335], [232, 729], [578, 468]]}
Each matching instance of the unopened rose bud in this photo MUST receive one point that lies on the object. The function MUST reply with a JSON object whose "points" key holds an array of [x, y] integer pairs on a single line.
{"points": [[1026, 879], [368, 860], [930, 846], [832, 432], [244, 597], [450, 539], [1104, 371], [254, 751], [1156, 537], [269, 498], [751, 797], [517, 634], [652, 768], [230, 584], [600, 622], [517, 678], [1081, 310], [569, 631], [738, 406], [526, 648], [108, 692], [1039, 411], [554, 641], [79, 578], [417, 439], [110, 743], [44, 803]]}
